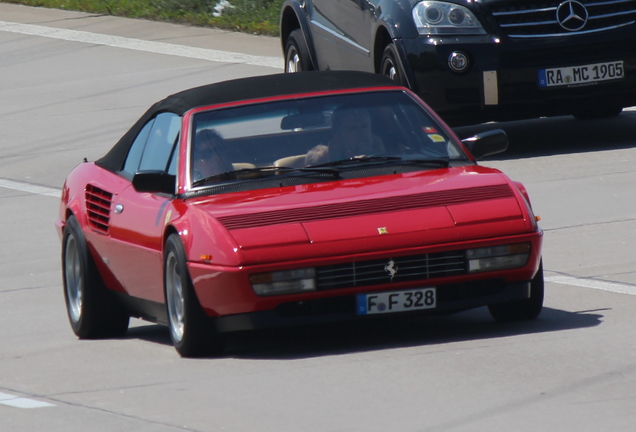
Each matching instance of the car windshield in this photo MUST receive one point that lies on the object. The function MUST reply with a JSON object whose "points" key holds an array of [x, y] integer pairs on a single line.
{"points": [[318, 135]]}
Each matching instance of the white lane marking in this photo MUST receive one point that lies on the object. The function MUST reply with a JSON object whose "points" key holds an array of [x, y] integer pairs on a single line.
{"points": [[595, 284], [141, 45], [20, 402], [30, 188]]}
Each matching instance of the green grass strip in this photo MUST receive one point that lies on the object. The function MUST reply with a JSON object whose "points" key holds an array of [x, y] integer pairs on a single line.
{"points": [[248, 16]]}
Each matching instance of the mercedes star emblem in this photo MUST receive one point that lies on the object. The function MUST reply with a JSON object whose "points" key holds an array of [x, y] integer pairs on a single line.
{"points": [[572, 15]]}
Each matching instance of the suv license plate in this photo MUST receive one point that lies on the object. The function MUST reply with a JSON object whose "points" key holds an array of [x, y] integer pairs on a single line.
{"points": [[580, 75], [396, 301]]}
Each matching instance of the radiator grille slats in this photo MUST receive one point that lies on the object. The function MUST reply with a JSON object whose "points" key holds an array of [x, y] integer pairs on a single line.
{"points": [[400, 269], [98, 203], [539, 18]]}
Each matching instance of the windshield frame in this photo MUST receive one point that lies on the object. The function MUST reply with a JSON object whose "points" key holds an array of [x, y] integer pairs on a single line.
{"points": [[190, 120]]}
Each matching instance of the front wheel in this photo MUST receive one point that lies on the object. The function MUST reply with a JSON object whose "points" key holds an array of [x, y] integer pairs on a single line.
{"points": [[390, 65], [93, 311], [522, 310], [297, 53], [190, 328]]}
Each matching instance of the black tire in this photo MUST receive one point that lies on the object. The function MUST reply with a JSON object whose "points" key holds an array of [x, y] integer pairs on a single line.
{"points": [[522, 310], [191, 329], [297, 54], [598, 112], [390, 65], [92, 309]]}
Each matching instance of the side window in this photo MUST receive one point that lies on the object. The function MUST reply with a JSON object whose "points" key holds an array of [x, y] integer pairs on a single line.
{"points": [[172, 168], [160, 145], [134, 154]]}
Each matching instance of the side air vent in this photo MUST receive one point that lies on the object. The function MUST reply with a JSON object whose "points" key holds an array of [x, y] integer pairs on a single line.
{"points": [[98, 208], [356, 208]]}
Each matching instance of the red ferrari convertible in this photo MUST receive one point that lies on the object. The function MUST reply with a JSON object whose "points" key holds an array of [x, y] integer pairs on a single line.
{"points": [[293, 199]]}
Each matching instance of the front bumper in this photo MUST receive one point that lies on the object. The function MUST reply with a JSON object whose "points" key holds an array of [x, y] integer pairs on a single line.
{"points": [[450, 298], [225, 293], [502, 80]]}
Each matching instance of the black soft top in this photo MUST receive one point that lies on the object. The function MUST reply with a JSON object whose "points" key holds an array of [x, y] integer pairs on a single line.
{"points": [[243, 89]]}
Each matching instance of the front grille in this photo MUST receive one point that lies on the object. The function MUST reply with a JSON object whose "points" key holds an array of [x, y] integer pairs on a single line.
{"points": [[541, 57], [520, 19], [98, 203], [398, 269]]}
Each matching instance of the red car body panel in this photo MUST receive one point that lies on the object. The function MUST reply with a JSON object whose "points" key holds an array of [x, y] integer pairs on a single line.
{"points": [[356, 237], [354, 227], [222, 284], [229, 236]]}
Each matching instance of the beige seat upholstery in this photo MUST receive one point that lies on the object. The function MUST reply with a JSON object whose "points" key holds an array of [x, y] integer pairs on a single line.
{"points": [[297, 161], [242, 165]]}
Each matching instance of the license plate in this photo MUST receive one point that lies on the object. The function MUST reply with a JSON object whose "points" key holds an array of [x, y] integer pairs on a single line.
{"points": [[580, 75], [396, 301]]}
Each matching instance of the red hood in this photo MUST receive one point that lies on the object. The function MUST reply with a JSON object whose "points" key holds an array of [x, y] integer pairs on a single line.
{"points": [[371, 214]]}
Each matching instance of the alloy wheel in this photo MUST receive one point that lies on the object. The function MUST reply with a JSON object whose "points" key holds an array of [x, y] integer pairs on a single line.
{"points": [[293, 61], [175, 298], [74, 279]]}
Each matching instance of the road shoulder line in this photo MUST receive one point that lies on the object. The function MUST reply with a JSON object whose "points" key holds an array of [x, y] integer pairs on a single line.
{"points": [[140, 45], [592, 283]]}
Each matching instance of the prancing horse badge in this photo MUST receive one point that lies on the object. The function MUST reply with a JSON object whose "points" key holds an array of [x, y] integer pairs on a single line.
{"points": [[391, 269]]}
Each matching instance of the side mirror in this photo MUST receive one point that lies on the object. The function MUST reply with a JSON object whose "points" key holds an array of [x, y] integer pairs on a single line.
{"points": [[154, 182], [487, 143]]}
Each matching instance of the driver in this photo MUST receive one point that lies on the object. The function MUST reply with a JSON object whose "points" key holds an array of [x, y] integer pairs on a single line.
{"points": [[351, 137], [206, 160]]}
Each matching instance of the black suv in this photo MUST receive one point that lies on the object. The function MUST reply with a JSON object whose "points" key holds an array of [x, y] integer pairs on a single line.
{"points": [[477, 60]]}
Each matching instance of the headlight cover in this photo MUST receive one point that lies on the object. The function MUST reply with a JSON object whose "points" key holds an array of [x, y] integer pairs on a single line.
{"points": [[284, 282], [441, 18], [498, 257]]}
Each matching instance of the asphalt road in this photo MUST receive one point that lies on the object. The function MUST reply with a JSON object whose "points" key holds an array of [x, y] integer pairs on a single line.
{"points": [[71, 84]]}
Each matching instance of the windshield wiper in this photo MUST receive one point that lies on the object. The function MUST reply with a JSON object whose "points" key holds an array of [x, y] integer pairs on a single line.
{"points": [[358, 160], [385, 160], [242, 174], [332, 168], [320, 169], [254, 173], [438, 162]]}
